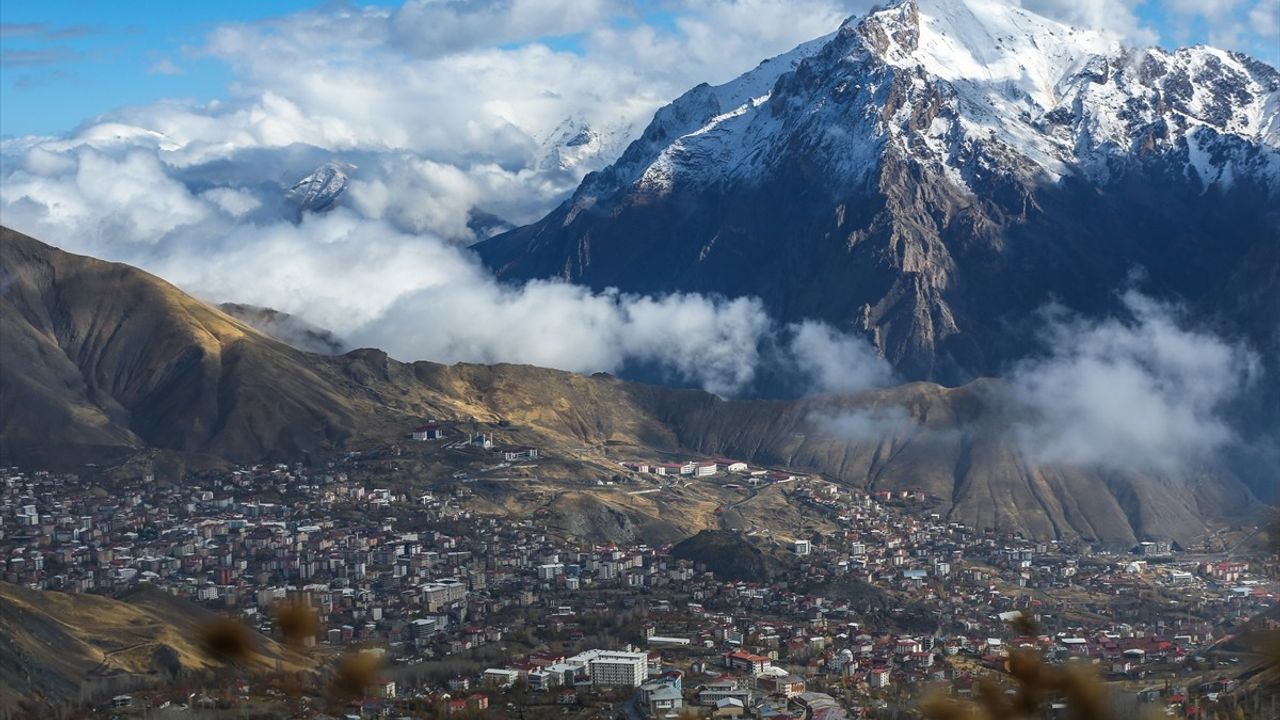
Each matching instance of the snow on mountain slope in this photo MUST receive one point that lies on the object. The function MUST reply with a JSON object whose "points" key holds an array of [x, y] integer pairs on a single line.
{"points": [[577, 146], [318, 191], [937, 78], [701, 110], [102, 135]]}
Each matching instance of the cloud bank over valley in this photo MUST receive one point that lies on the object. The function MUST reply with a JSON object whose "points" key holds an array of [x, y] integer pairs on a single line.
{"points": [[450, 121]]}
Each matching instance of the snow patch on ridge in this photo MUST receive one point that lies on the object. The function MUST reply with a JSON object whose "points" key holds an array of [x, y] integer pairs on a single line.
{"points": [[947, 81]]}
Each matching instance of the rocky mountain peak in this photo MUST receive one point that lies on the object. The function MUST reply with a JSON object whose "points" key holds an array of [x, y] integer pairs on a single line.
{"points": [[888, 30], [951, 80], [931, 174], [318, 191]]}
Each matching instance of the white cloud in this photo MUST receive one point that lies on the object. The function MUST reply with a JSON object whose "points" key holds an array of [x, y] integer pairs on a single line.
{"points": [[39, 161], [336, 270], [1142, 392], [867, 424], [165, 66], [469, 76], [418, 195], [466, 316], [1264, 18], [425, 28], [716, 41], [121, 199], [1203, 8], [355, 271], [836, 362], [446, 105], [1118, 16], [235, 202], [1223, 20]]}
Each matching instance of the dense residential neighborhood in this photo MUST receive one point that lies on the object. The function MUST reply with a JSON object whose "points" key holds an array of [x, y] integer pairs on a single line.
{"points": [[471, 608]]}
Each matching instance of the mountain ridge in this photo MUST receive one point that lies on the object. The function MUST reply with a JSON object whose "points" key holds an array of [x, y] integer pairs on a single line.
{"points": [[937, 215], [102, 359]]}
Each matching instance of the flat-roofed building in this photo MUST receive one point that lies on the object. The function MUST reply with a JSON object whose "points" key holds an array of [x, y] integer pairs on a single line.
{"points": [[613, 668], [442, 594]]}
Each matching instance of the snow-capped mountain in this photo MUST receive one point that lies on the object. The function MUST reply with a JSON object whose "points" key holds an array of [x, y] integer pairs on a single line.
{"points": [[318, 191], [949, 80], [936, 172], [699, 113], [576, 146]]}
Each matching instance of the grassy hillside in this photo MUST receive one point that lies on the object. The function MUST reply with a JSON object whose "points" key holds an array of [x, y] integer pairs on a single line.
{"points": [[56, 645]]}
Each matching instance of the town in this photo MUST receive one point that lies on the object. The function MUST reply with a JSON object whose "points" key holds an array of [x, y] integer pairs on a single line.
{"points": [[476, 611]]}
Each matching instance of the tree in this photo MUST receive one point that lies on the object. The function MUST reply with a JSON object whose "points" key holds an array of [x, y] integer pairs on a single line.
{"points": [[166, 660]]}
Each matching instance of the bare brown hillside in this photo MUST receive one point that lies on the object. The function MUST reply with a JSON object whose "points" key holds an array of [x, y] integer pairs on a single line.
{"points": [[56, 646], [100, 359]]}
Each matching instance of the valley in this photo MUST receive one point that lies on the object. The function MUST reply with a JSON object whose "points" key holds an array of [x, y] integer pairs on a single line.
{"points": [[559, 360]]}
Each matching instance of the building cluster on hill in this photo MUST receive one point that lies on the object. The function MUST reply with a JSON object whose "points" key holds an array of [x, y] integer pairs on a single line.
{"points": [[889, 601]]}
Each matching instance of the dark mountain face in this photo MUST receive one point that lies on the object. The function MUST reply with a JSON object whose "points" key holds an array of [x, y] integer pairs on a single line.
{"points": [[947, 289], [875, 186]]}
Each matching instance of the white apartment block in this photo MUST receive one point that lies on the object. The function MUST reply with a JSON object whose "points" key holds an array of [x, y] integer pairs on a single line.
{"points": [[442, 594], [613, 668]]}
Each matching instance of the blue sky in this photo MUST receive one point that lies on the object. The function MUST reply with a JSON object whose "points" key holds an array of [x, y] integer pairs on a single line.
{"points": [[67, 61]]}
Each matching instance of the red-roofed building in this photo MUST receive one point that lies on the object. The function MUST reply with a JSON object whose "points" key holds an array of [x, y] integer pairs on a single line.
{"points": [[755, 664]]}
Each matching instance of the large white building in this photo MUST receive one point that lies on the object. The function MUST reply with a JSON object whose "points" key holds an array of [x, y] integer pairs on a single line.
{"points": [[500, 677], [440, 595], [613, 668]]}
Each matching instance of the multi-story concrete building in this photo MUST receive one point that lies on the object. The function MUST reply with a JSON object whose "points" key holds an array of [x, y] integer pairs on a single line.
{"points": [[754, 664], [613, 668], [442, 594]]}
